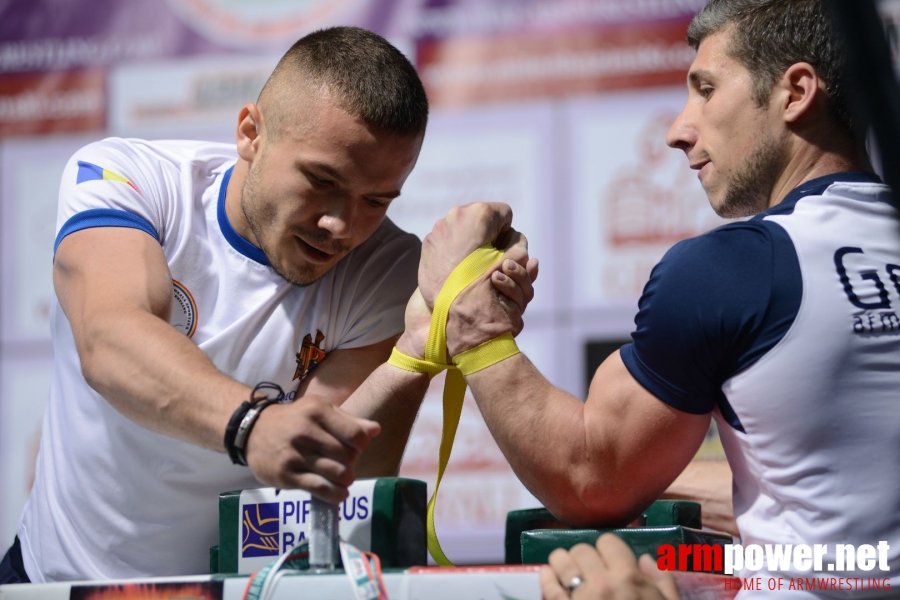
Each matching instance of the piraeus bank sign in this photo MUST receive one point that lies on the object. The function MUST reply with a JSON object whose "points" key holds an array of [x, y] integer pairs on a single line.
{"points": [[271, 523]]}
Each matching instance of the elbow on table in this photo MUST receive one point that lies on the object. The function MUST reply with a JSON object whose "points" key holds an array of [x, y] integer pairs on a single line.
{"points": [[595, 505]]}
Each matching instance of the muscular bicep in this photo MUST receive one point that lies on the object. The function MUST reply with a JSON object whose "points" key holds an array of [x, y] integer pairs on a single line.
{"points": [[645, 441], [105, 274], [343, 371]]}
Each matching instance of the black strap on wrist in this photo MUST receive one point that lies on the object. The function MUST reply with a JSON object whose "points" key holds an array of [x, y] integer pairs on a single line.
{"points": [[244, 418]]}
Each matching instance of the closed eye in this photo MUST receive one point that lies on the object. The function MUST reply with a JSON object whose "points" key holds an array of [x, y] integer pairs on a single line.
{"points": [[375, 203], [319, 181]]}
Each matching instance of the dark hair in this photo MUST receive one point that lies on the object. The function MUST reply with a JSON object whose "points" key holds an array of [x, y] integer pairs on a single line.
{"points": [[371, 78], [768, 36]]}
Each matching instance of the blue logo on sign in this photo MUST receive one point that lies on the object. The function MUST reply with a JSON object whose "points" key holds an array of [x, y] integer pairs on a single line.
{"points": [[259, 530]]}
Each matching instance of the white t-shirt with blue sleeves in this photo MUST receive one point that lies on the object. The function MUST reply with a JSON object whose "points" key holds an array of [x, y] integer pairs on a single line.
{"points": [[112, 499], [786, 328]]}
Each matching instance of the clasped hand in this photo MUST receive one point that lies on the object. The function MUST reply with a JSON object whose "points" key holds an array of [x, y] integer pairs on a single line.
{"points": [[494, 303]]}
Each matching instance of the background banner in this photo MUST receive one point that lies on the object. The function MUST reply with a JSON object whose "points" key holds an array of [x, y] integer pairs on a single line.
{"points": [[558, 108]]}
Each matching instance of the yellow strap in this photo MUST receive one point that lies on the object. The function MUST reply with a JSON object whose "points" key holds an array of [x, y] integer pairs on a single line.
{"points": [[472, 267], [470, 361], [408, 363], [454, 394], [489, 353]]}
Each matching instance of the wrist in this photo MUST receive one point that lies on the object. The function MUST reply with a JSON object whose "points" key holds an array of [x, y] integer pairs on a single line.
{"points": [[244, 418], [413, 344]]}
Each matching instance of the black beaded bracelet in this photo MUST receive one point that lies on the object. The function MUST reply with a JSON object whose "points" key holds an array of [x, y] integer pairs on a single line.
{"points": [[244, 418]]}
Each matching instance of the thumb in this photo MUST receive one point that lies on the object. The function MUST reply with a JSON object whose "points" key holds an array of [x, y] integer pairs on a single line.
{"points": [[371, 428], [663, 579]]}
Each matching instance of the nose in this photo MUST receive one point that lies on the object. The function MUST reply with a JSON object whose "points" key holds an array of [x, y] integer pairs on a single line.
{"points": [[338, 219], [682, 134]]}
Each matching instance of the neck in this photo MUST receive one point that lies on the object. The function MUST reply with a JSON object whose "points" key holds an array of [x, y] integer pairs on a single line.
{"points": [[810, 162], [233, 209]]}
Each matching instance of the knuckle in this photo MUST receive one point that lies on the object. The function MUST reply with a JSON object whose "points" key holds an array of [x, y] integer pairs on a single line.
{"points": [[581, 550], [360, 442], [303, 431], [601, 589], [346, 476], [557, 555], [319, 487], [313, 408], [632, 577]]}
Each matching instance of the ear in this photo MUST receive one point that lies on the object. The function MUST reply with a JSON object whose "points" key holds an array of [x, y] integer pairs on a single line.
{"points": [[249, 132], [800, 86]]}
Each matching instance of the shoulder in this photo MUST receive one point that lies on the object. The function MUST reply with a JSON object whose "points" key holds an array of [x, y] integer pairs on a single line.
{"points": [[726, 279], [149, 157], [733, 263], [713, 305], [725, 247]]}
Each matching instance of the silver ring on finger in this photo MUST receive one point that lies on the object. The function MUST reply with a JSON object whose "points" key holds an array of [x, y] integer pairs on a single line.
{"points": [[574, 583]]}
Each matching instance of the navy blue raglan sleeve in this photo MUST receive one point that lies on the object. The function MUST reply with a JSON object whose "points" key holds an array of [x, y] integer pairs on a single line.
{"points": [[702, 315]]}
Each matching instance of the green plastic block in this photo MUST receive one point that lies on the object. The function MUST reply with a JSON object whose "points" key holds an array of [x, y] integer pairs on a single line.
{"points": [[213, 560], [397, 510], [538, 544], [661, 513], [518, 521], [398, 522]]}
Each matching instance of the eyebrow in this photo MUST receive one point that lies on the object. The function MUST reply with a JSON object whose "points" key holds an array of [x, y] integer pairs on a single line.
{"points": [[329, 171]]}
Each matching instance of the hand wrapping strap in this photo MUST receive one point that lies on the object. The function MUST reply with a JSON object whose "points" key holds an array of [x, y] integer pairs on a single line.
{"points": [[470, 361]]}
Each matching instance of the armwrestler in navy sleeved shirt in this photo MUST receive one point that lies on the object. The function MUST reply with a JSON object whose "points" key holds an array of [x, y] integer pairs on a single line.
{"points": [[713, 306]]}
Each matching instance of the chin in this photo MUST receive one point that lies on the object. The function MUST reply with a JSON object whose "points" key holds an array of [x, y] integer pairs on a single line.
{"points": [[303, 275], [715, 202]]}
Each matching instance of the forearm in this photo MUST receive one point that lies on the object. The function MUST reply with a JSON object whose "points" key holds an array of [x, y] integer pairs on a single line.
{"points": [[542, 432], [600, 462], [158, 378], [391, 397], [709, 483]]}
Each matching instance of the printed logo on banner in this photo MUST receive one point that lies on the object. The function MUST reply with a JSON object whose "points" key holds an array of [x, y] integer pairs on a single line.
{"points": [[271, 524], [260, 530], [35, 103], [245, 22]]}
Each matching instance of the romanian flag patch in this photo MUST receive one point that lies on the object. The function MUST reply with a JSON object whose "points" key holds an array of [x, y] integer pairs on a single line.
{"points": [[92, 172]]}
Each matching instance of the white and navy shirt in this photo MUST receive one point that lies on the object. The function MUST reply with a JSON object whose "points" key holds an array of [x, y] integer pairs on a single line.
{"points": [[787, 328], [112, 499]]}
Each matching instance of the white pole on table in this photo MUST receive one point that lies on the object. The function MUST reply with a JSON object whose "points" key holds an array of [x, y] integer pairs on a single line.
{"points": [[324, 553]]}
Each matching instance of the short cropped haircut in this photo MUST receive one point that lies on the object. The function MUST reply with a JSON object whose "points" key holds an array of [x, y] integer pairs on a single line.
{"points": [[768, 36], [369, 77]]}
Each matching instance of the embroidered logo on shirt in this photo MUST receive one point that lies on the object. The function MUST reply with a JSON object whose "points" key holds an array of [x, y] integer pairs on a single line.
{"points": [[91, 172], [310, 355], [259, 530]]}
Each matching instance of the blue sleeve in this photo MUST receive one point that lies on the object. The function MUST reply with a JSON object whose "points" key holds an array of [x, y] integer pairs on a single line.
{"points": [[114, 183], [103, 217], [713, 305]]}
